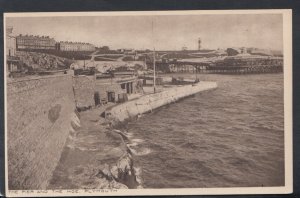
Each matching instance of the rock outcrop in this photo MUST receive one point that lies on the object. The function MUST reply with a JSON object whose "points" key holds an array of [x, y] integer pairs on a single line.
{"points": [[42, 61], [124, 172]]}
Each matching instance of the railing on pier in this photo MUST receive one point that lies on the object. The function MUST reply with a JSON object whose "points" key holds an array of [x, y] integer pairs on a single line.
{"points": [[230, 65]]}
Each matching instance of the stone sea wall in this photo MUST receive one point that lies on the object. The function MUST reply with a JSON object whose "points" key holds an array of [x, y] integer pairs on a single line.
{"points": [[149, 102], [39, 118]]}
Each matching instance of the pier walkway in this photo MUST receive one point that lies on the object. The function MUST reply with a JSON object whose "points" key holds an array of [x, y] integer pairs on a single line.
{"points": [[148, 102]]}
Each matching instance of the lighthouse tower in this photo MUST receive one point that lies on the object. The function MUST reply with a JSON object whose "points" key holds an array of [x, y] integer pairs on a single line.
{"points": [[199, 44]]}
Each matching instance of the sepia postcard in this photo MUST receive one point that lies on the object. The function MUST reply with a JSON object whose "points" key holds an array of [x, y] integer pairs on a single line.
{"points": [[148, 103]]}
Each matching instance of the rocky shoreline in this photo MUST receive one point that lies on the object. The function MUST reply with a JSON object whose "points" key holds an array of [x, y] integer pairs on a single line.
{"points": [[123, 171], [109, 161]]}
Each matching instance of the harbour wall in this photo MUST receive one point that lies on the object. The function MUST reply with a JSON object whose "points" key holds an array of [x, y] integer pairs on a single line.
{"points": [[40, 115], [147, 103]]}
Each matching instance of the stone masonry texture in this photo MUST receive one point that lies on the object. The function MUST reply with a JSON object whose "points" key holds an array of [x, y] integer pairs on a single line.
{"points": [[38, 123]]}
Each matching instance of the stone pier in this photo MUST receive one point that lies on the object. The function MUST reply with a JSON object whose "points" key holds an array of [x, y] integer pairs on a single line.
{"points": [[149, 102]]}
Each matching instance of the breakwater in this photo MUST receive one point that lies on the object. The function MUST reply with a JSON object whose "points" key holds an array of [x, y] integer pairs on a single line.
{"points": [[147, 103], [40, 115]]}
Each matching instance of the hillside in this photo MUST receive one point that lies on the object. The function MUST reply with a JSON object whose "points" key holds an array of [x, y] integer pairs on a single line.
{"points": [[40, 61]]}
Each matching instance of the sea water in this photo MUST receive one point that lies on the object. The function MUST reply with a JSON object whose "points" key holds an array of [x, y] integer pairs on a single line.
{"points": [[232, 136]]}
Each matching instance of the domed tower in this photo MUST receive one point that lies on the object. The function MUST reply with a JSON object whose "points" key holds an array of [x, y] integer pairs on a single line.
{"points": [[199, 44]]}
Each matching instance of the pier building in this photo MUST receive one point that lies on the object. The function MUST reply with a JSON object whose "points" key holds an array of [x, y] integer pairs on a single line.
{"points": [[100, 88], [239, 61]]}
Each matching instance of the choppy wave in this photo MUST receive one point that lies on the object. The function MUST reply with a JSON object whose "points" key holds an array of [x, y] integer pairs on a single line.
{"points": [[232, 136]]}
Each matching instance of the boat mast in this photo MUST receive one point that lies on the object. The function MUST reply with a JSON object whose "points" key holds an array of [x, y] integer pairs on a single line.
{"points": [[154, 79]]}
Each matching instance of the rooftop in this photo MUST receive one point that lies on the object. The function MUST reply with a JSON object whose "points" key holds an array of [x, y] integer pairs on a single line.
{"points": [[33, 36]]}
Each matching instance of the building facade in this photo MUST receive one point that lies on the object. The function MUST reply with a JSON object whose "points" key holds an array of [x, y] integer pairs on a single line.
{"points": [[10, 42], [24, 42], [34, 42], [74, 46], [12, 61]]}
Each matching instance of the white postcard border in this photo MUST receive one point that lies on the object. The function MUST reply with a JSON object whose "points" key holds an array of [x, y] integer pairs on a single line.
{"points": [[288, 119]]}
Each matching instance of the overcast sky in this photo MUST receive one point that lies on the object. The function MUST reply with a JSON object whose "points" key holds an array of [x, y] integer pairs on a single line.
{"points": [[169, 32]]}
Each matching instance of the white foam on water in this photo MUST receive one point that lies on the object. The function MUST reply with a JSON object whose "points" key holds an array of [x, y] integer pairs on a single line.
{"points": [[137, 140], [138, 174], [72, 137], [139, 116], [129, 135], [71, 146], [140, 152], [118, 131], [86, 149], [132, 144]]}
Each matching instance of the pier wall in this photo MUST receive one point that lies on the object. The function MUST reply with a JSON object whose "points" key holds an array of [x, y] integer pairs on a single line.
{"points": [[84, 89], [149, 102], [86, 86], [39, 116]]}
